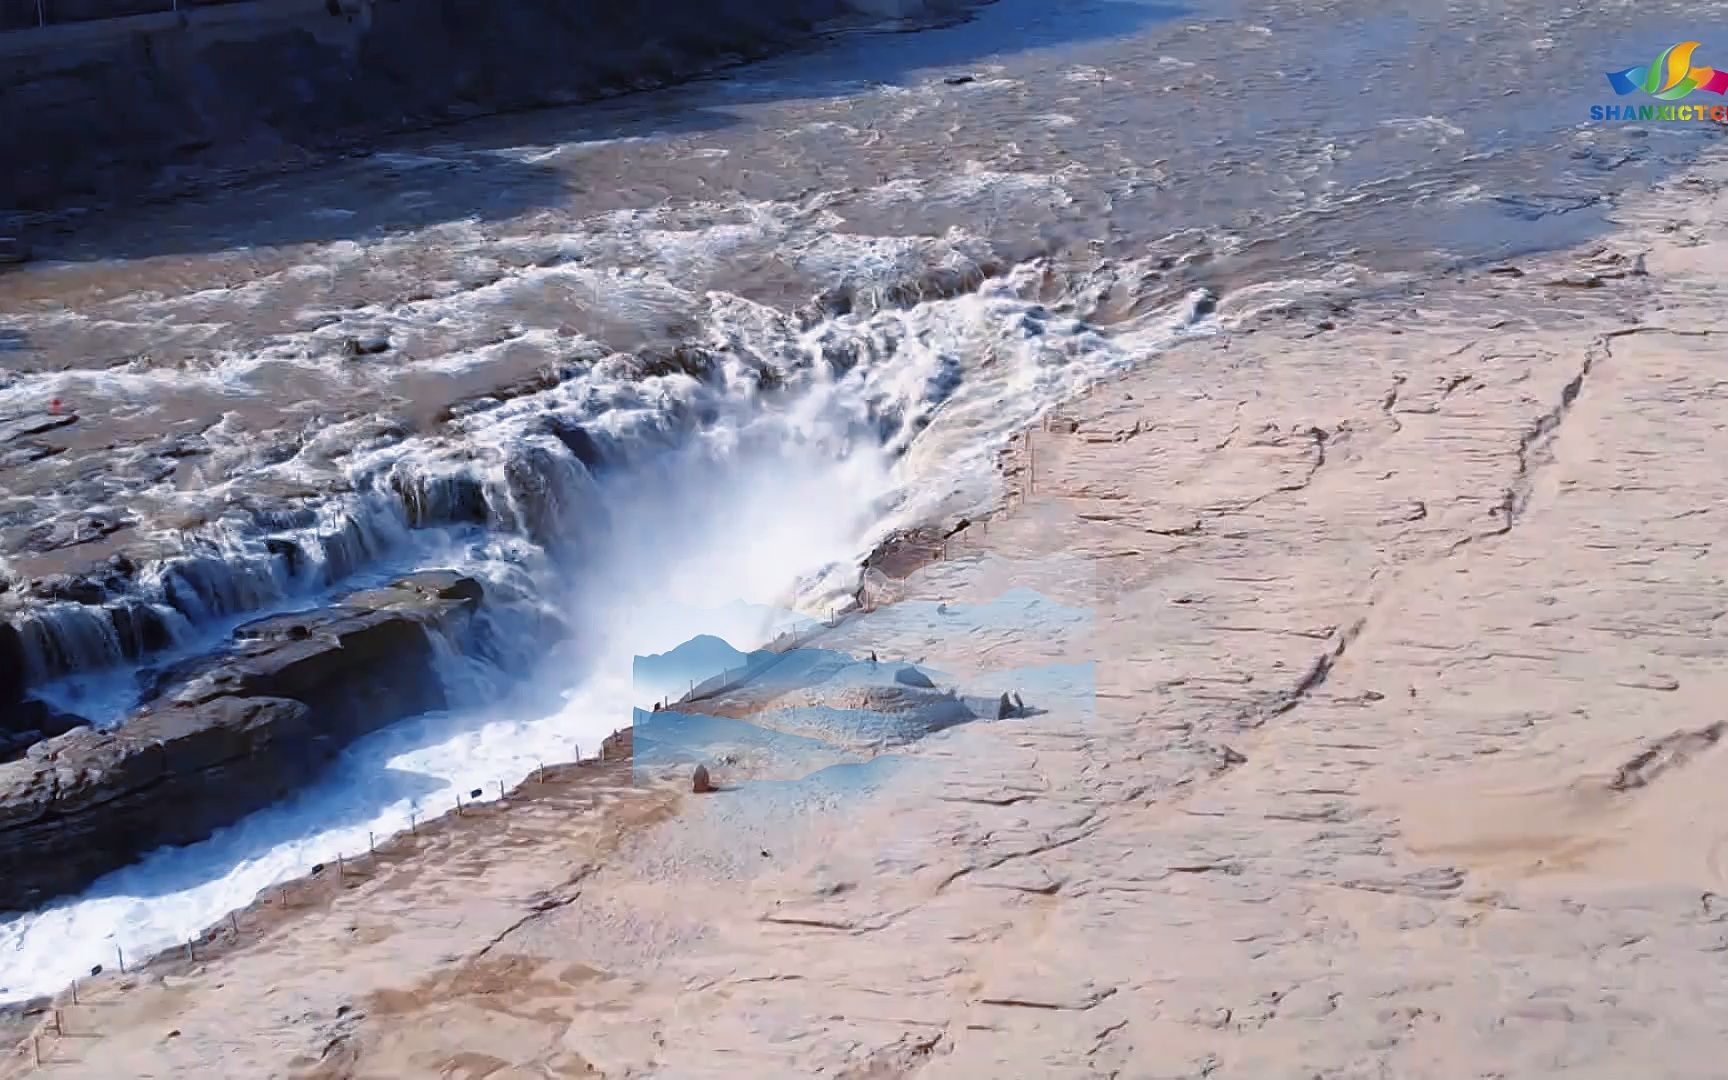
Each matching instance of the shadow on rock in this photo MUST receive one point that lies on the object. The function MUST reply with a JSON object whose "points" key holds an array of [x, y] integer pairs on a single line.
{"points": [[1001, 28], [476, 169]]}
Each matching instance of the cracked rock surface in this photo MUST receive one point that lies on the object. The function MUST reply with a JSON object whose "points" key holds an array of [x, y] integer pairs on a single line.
{"points": [[1400, 756]]}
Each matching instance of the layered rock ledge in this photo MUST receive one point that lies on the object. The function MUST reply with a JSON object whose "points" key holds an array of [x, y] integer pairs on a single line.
{"points": [[222, 735]]}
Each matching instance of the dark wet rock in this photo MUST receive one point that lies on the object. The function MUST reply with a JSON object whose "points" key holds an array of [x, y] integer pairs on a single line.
{"points": [[183, 446], [847, 298], [11, 664], [13, 251], [366, 345], [834, 301], [545, 379], [686, 359], [360, 665], [25, 723], [960, 80], [72, 531], [26, 452], [33, 715], [266, 517], [17, 427], [452, 498], [66, 639], [576, 439], [143, 471], [222, 735], [700, 784], [293, 559], [140, 628], [945, 283], [88, 802], [541, 481], [422, 591], [265, 455], [76, 589], [904, 552], [425, 585]]}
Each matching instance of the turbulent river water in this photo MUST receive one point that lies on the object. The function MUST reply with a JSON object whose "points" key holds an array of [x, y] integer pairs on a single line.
{"points": [[673, 364]]}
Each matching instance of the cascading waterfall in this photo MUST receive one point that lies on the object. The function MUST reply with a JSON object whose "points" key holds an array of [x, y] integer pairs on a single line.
{"points": [[875, 376], [634, 505]]}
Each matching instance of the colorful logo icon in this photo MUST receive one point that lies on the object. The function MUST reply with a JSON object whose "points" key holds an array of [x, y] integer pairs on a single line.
{"points": [[1672, 77]]}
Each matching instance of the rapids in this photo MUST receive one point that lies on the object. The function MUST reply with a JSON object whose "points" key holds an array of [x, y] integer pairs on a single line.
{"points": [[675, 364]]}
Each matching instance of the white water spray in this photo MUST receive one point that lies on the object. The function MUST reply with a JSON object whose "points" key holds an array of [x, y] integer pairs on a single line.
{"points": [[713, 506]]}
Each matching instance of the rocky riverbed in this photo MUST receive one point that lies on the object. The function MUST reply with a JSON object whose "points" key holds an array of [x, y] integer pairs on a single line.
{"points": [[1004, 346]]}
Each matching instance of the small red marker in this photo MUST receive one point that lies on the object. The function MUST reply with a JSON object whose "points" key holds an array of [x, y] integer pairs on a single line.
{"points": [[54, 407]]}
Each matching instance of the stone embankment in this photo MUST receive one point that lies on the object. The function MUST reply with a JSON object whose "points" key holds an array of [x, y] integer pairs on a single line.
{"points": [[107, 110]]}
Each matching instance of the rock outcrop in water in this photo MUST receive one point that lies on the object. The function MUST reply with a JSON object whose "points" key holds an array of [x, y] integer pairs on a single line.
{"points": [[11, 665], [25, 723], [224, 735]]}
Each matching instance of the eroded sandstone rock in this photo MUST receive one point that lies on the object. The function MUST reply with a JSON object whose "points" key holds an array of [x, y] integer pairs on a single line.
{"points": [[87, 802], [222, 735]]}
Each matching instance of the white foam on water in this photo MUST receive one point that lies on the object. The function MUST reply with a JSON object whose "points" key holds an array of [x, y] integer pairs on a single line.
{"points": [[235, 376], [1246, 305], [724, 508], [1434, 126], [382, 785], [706, 550]]}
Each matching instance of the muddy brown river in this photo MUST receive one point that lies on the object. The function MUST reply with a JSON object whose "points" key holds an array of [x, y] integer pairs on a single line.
{"points": [[477, 347]]}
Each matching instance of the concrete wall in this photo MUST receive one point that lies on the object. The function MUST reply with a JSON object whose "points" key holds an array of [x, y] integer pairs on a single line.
{"points": [[103, 111]]}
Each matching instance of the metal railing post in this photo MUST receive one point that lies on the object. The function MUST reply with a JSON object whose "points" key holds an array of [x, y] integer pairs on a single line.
{"points": [[41, 12]]}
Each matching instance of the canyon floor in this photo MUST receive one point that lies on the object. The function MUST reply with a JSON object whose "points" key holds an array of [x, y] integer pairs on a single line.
{"points": [[1398, 755]]}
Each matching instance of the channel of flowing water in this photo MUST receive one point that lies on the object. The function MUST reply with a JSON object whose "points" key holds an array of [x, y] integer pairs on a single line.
{"points": [[711, 506]]}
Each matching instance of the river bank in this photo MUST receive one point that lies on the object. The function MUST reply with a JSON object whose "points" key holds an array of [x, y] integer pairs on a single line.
{"points": [[157, 106], [1378, 663], [629, 373]]}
